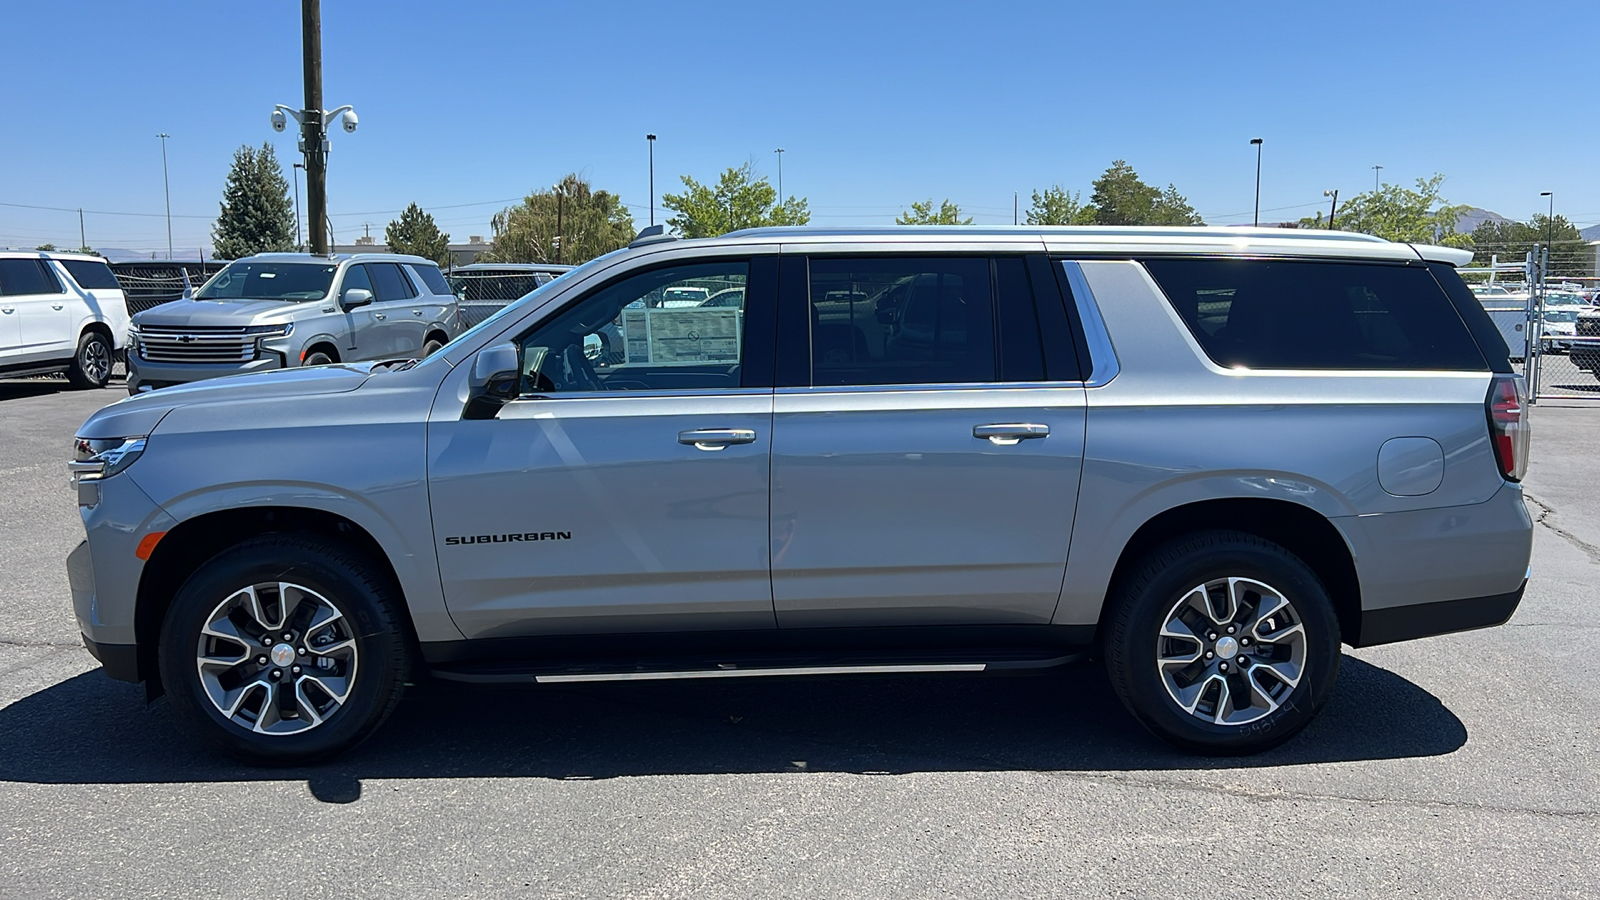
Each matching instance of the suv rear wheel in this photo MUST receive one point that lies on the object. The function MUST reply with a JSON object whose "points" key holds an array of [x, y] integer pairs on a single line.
{"points": [[1222, 642], [91, 365], [284, 650]]}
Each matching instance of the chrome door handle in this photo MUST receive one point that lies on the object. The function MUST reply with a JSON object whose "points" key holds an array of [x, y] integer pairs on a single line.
{"points": [[716, 438], [1005, 435], [56, 307], [9, 310], [379, 316], [416, 312]]}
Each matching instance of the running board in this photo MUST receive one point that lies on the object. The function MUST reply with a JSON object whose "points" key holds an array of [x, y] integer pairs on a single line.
{"points": [[665, 671]]}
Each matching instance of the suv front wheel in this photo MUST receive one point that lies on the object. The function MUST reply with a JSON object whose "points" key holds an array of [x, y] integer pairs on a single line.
{"points": [[284, 650], [91, 365], [1223, 643]]}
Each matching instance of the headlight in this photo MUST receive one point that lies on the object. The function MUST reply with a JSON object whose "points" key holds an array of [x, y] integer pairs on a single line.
{"points": [[283, 330], [97, 459]]}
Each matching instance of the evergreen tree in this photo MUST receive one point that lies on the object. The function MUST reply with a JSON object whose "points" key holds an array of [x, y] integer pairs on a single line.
{"points": [[415, 233], [257, 215]]}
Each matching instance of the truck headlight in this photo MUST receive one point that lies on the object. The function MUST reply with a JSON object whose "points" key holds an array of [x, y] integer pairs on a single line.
{"points": [[270, 331], [96, 459]]}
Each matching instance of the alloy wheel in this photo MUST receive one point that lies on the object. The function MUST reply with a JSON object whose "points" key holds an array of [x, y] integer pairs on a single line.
{"points": [[1231, 650]]}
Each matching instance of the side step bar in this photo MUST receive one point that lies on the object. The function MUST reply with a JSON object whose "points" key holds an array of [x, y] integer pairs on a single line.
{"points": [[570, 674]]}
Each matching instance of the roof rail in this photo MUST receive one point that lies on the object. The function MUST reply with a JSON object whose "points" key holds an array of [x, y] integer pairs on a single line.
{"points": [[652, 234]]}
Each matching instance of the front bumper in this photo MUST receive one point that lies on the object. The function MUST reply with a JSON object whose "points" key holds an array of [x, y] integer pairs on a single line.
{"points": [[146, 375]]}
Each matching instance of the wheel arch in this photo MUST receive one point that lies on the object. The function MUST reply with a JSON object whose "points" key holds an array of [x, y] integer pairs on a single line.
{"points": [[1299, 529], [192, 542]]}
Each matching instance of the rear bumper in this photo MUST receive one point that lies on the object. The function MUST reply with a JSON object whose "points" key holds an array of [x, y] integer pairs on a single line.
{"points": [[144, 374], [1404, 623]]}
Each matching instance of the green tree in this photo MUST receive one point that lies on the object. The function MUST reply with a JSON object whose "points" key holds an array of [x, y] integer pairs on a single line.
{"points": [[1396, 213], [416, 233], [924, 214], [1511, 242], [257, 215], [1122, 198], [48, 248], [739, 200], [1057, 206], [569, 223]]}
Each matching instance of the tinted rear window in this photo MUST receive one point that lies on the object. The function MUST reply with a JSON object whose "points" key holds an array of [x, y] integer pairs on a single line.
{"points": [[91, 274], [433, 279], [20, 277], [1302, 314]]}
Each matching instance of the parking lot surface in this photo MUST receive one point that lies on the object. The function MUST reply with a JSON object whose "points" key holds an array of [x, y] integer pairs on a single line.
{"points": [[1462, 766]]}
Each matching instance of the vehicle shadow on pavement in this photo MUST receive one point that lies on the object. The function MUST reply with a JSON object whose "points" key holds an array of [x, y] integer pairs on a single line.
{"points": [[41, 387], [89, 729]]}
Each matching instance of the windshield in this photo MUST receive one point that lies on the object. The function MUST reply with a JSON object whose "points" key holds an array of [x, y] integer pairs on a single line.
{"points": [[295, 282]]}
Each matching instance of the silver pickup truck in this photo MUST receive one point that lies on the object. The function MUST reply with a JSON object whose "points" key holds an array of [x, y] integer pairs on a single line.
{"points": [[1207, 456], [280, 310]]}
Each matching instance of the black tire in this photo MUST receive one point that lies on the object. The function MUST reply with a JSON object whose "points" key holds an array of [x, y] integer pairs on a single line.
{"points": [[91, 364], [317, 358], [1155, 588], [431, 347], [368, 601]]}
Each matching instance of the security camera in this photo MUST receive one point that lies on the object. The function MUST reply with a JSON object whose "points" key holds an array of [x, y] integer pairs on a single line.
{"points": [[348, 120], [279, 120]]}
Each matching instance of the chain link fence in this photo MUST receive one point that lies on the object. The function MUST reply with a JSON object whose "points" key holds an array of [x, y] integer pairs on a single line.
{"points": [[149, 283]]}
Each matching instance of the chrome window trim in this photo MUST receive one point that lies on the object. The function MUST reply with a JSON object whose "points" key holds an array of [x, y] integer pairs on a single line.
{"points": [[1102, 353], [920, 388]]}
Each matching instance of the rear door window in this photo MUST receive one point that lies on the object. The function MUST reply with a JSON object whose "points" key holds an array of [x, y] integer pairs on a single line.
{"points": [[433, 279], [20, 277], [91, 274], [901, 320], [390, 282], [1309, 314]]}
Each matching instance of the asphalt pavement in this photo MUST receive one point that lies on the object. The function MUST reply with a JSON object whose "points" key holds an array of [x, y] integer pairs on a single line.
{"points": [[1459, 766]]}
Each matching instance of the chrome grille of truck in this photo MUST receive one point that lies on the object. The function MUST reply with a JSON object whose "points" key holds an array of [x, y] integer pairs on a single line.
{"points": [[196, 344]]}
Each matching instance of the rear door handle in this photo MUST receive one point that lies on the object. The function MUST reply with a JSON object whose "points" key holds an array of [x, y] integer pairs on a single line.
{"points": [[56, 306], [416, 312], [9, 310], [716, 438], [379, 316], [1007, 434]]}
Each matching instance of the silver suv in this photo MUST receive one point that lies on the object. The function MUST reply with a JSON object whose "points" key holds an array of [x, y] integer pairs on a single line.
{"points": [[279, 310], [1208, 457]]}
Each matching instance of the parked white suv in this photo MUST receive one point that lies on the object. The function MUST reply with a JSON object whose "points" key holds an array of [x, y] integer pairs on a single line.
{"points": [[60, 312]]}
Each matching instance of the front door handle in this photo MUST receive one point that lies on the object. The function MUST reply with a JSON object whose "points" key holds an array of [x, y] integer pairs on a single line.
{"points": [[56, 306], [416, 312], [716, 438], [379, 316], [1005, 435], [9, 310]]}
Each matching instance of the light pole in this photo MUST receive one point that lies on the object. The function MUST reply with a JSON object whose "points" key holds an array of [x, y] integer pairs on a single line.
{"points": [[314, 121], [652, 139], [1375, 171], [1257, 142], [779, 151], [166, 187], [1549, 225], [561, 196], [297, 241], [1334, 208]]}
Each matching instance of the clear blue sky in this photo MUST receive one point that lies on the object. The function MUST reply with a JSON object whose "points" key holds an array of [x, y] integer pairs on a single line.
{"points": [[876, 104]]}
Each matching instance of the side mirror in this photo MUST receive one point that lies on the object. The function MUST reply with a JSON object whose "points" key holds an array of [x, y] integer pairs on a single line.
{"points": [[496, 374], [356, 297]]}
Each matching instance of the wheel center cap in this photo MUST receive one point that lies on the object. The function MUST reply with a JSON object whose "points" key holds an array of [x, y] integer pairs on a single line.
{"points": [[1227, 648], [282, 655]]}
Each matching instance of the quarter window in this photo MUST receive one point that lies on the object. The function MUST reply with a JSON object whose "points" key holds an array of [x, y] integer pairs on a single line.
{"points": [[1294, 314], [91, 274], [433, 279], [912, 320], [652, 331]]}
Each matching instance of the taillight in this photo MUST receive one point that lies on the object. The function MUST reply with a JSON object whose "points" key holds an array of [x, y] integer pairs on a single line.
{"points": [[1508, 425]]}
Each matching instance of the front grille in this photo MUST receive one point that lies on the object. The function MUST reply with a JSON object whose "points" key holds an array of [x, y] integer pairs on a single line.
{"points": [[1589, 327], [202, 344]]}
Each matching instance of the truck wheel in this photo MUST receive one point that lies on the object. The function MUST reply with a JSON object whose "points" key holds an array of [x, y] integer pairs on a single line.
{"points": [[1222, 643], [284, 650], [91, 365], [431, 347], [317, 358]]}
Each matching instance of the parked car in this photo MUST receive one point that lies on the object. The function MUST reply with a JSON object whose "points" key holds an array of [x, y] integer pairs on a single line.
{"points": [[60, 312], [280, 310], [1208, 457], [1561, 311]]}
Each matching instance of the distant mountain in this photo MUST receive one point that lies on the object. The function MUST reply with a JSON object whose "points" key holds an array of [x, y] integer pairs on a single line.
{"points": [[1592, 233], [1475, 216], [117, 254]]}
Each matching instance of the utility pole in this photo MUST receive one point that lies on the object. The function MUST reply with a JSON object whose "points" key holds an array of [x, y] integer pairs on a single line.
{"points": [[1550, 221], [166, 186], [311, 130], [779, 151], [1257, 142], [1375, 171], [83, 242], [1334, 208], [561, 195], [1015, 209], [299, 244], [652, 139]]}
